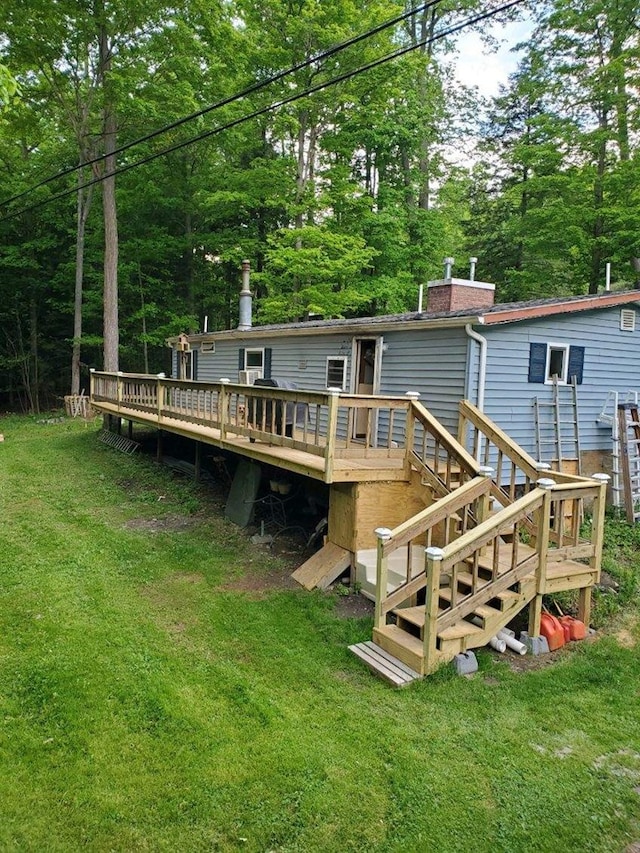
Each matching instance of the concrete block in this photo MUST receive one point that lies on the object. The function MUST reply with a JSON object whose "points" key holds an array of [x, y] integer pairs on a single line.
{"points": [[535, 645], [465, 663]]}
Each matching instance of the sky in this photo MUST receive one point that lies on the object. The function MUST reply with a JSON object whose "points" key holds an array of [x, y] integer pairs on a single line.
{"points": [[477, 66]]}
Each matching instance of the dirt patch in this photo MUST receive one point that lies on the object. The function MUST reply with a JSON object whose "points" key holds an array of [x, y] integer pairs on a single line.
{"points": [[626, 639], [164, 524], [259, 582], [353, 606]]}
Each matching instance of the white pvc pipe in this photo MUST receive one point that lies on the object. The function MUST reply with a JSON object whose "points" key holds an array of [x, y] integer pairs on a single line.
{"points": [[512, 643], [498, 644]]}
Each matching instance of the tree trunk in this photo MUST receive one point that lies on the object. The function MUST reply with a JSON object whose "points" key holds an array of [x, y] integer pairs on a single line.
{"points": [[111, 329], [84, 203]]}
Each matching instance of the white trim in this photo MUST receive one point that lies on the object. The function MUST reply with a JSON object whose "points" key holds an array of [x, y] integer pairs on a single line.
{"points": [[562, 380], [253, 366], [627, 320], [343, 384], [461, 282]]}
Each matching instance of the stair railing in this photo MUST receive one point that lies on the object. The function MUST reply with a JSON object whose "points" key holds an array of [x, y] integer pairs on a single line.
{"points": [[516, 471], [438, 524], [442, 461], [488, 559]]}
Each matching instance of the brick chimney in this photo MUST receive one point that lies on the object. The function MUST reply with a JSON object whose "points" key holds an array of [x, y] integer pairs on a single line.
{"points": [[458, 294]]}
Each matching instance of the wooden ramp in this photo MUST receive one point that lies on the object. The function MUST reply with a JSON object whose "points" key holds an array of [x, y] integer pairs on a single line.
{"points": [[324, 567], [384, 664]]}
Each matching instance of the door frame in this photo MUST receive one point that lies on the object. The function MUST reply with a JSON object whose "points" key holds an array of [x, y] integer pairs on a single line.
{"points": [[356, 356]]}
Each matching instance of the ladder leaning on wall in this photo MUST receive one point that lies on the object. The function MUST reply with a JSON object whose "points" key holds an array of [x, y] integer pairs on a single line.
{"points": [[615, 399], [558, 428], [629, 457]]}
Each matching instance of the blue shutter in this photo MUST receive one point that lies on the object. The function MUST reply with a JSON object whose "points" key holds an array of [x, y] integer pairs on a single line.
{"points": [[194, 364], [537, 362], [576, 364], [241, 358], [267, 363]]}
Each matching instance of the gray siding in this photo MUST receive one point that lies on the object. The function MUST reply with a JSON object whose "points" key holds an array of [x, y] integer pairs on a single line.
{"points": [[611, 363], [431, 362]]}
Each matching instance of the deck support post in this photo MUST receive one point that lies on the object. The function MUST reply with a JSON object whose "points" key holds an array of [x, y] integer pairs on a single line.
{"points": [[433, 560], [383, 535], [130, 430], [543, 525], [597, 537], [198, 462]]}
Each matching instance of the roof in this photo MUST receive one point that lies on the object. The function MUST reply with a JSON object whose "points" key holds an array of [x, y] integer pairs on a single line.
{"points": [[509, 312]]}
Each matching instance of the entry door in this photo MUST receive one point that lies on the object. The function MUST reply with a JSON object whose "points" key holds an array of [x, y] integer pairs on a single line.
{"points": [[367, 381]]}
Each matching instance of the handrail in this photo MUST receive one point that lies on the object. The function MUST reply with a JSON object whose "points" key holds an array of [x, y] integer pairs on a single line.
{"points": [[422, 524]]}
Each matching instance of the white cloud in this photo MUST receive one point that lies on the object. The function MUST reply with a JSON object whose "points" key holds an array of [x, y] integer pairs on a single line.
{"points": [[476, 65]]}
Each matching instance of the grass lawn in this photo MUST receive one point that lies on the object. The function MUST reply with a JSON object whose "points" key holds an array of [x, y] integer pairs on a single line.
{"points": [[153, 697]]}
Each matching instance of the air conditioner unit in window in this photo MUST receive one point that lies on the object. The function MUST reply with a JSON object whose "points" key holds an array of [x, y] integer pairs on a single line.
{"points": [[248, 377]]}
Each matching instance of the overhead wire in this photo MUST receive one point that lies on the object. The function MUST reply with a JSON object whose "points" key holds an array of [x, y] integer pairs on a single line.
{"points": [[475, 19], [249, 90]]}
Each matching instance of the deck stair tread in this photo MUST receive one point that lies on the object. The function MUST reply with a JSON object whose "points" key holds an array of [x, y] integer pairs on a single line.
{"points": [[323, 567], [482, 610], [505, 552], [384, 664]]}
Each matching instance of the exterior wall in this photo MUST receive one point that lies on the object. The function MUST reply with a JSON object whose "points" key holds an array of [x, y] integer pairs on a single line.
{"points": [[433, 363], [300, 359], [611, 363]]}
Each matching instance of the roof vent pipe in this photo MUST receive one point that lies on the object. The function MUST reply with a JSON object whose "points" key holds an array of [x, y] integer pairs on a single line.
{"points": [[448, 263], [607, 276], [420, 297], [472, 268], [245, 299]]}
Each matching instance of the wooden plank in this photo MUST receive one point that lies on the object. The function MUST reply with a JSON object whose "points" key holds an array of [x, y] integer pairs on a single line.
{"points": [[384, 664], [323, 567], [405, 647]]}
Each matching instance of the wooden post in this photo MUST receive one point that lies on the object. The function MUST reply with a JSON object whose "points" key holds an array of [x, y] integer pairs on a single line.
{"points": [[198, 461], [159, 400], [543, 525], [130, 430], [484, 502], [597, 537], [433, 560], [223, 403], [332, 426], [409, 433], [383, 535]]}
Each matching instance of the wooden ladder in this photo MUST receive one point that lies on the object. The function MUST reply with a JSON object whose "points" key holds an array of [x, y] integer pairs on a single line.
{"points": [[558, 428], [629, 458]]}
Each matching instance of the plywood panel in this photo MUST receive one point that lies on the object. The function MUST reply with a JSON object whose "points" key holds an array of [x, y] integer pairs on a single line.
{"points": [[342, 519]]}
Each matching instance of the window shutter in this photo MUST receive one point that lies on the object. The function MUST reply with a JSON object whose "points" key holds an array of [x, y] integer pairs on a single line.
{"points": [[576, 364], [194, 364], [537, 362], [241, 358], [267, 363]]}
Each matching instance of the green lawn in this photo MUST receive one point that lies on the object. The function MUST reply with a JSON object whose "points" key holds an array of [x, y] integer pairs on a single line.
{"points": [[148, 703]]}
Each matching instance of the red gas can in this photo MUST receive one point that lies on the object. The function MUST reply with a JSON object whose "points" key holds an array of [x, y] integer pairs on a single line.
{"points": [[573, 627], [551, 628]]}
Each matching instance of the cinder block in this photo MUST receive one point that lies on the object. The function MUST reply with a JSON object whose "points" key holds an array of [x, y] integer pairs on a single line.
{"points": [[465, 663], [535, 645]]}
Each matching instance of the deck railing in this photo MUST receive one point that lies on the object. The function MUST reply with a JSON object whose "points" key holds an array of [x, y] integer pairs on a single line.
{"points": [[326, 424]]}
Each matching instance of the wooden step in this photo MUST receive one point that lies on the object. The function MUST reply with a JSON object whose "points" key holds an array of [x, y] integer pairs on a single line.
{"points": [[384, 664], [323, 567], [569, 574], [400, 644]]}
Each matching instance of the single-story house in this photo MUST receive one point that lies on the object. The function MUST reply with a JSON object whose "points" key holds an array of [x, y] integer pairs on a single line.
{"points": [[534, 367]]}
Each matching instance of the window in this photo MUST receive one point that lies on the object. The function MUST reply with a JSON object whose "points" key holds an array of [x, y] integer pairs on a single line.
{"points": [[627, 320], [337, 372], [547, 361], [257, 360]]}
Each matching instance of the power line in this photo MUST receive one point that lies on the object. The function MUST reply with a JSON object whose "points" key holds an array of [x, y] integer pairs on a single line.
{"points": [[273, 106], [255, 87]]}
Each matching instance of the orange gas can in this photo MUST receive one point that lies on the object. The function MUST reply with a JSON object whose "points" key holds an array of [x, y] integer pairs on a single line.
{"points": [[573, 627], [551, 628]]}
